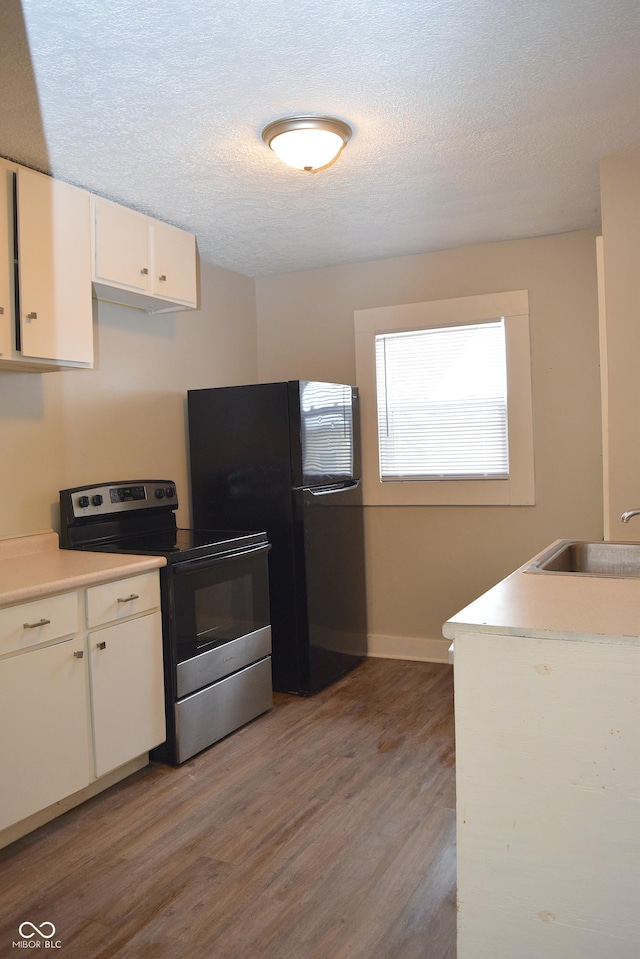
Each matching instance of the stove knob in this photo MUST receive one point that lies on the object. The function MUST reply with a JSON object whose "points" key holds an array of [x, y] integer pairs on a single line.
{"points": [[159, 493], [97, 499], [170, 491], [83, 501]]}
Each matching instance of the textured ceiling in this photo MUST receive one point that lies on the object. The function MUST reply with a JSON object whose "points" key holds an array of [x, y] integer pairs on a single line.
{"points": [[473, 120]]}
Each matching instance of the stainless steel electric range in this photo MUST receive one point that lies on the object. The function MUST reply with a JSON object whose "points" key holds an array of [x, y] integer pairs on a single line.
{"points": [[214, 599]]}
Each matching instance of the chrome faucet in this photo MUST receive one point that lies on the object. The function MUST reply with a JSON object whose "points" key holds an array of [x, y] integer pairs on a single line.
{"points": [[626, 516]]}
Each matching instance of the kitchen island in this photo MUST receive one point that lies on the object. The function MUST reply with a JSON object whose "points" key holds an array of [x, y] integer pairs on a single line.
{"points": [[547, 704]]}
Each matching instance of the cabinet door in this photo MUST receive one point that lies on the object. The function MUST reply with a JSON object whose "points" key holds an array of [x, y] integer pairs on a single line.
{"points": [[127, 690], [44, 738], [54, 254], [6, 259], [174, 263], [121, 246]]}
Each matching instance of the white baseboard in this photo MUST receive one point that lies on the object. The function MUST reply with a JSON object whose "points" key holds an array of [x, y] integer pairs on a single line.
{"points": [[420, 648]]}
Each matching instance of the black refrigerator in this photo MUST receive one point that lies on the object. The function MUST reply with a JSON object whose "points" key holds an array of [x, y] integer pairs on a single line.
{"points": [[285, 458]]}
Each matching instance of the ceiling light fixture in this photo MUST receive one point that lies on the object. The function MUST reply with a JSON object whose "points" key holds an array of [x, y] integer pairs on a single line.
{"points": [[307, 143]]}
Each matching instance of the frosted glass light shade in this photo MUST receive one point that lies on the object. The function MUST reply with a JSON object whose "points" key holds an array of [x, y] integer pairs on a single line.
{"points": [[307, 143], [307, 149]]}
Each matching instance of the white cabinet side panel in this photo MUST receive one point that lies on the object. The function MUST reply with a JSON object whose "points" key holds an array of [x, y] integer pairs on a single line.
{"points": [[548, 781]]}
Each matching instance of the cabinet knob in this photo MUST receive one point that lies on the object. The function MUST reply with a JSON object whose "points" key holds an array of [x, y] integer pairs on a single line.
{"points": [[128, 599], [144, 271], [78, 653], [1, 310], [41, 622], [162, 276], [102, 645], [32, 316]]}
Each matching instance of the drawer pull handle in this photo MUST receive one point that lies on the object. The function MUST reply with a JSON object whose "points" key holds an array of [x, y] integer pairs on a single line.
{"points": [[41, 622], [128, 599], [162, 276], [78, 654], [32, 316], [102, 645], [144, 271]]}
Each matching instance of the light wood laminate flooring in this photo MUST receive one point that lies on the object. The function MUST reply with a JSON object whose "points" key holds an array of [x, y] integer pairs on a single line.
{"points": [[323, 830]]}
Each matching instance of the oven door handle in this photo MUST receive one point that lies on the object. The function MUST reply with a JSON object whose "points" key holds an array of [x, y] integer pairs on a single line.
{"points": [[192, 565]]}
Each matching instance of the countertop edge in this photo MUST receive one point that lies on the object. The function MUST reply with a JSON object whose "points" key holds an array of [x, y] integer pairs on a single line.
{"points": [[34, 573], [454, 630]]}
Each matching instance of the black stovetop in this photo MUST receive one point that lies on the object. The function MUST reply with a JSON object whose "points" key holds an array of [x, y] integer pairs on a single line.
{"points": [[180, 544]]}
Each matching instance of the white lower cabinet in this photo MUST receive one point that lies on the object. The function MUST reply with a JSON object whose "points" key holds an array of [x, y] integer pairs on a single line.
{"points": [[127, 698], [81, 692], [547, 777], [45, 741]]}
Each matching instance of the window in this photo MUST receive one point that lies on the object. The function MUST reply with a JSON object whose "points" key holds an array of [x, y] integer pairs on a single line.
{"points": [[442, 403], [446, 402]]}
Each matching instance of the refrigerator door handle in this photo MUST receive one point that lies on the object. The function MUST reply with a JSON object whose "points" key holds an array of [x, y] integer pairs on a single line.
{"points": [[327, 490]]}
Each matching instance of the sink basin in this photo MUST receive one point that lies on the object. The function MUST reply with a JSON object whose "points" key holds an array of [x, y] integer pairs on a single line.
{"points": [[618, 560]]}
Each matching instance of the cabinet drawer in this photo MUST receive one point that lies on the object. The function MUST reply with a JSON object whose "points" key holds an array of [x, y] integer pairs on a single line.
{"points": [[30, 624], [125, 597]]}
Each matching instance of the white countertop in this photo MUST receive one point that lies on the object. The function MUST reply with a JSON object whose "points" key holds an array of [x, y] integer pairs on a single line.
{"points": [[34, 566], [555, 606]]}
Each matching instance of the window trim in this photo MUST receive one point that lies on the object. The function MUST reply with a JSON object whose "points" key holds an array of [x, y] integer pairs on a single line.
{"points": [[519, 488]]}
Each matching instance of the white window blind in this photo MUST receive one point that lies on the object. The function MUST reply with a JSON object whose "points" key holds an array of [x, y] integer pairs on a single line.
{"points": [[442, 403]]}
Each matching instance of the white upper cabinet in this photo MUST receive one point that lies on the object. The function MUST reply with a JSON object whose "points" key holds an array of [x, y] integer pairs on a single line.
{"points": [[6, 261], [174, 263], [60, 245], [46, 314], [121, 246], [54, 243], [141, 262]]}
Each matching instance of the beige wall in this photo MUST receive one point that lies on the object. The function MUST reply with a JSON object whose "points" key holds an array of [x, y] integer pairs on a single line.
{"points": [[620, 190], [126, 419], [425, 563]]}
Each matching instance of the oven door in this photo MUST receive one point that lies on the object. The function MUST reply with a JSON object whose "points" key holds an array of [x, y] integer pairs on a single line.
{"points": [[221, 616]]}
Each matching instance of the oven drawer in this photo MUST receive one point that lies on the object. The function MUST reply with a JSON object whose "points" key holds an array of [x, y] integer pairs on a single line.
{"points": [[207, 716], [216, 663], [124, 597]]}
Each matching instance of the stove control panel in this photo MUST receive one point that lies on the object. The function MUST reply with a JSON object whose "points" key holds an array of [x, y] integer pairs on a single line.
{"points": [[105, 499]]}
